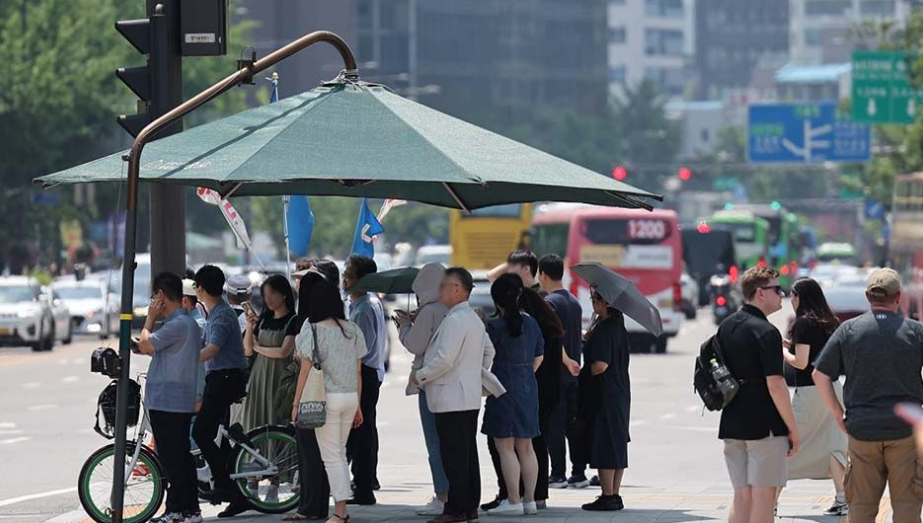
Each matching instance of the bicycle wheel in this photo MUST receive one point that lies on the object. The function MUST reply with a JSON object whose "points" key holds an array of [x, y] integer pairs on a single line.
{"points": [[144, 487], [269, 493]]}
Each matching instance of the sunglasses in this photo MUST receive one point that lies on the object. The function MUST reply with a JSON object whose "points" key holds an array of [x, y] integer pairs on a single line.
{"points": [[777, 288]]}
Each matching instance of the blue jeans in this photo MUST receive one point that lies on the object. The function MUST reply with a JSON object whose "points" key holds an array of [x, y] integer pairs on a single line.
{"points": [[428, 420]]}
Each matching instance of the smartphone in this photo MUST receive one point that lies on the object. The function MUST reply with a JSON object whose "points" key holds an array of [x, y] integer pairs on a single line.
{"points": [[909, 412], [247, 307], [134, 345]]}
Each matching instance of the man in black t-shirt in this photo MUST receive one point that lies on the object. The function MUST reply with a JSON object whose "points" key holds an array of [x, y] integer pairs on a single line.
{"points": [[758, 427], [569, 311], [881, 355]]}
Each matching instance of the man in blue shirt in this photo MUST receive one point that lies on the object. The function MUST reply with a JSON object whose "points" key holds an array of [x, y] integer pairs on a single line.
{"points": [[170, 393], [366, 311], [225, 382]]}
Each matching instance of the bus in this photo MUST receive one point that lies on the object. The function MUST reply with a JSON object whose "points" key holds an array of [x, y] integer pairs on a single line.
{"points": [[784, 238], [643, 246], [751, 235], [484, 238], [905, 246], [705, 250]]}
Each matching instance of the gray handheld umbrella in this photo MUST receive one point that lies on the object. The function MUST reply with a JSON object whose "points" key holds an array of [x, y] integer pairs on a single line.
{"points": [[620, 293], [394, 281]]}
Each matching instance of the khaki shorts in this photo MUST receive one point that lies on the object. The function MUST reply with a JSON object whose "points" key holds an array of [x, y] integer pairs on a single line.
{"points": [[757, 463]]}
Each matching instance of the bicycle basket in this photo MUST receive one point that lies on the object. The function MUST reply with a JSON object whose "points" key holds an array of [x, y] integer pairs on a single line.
{"points": [[106, 405]]}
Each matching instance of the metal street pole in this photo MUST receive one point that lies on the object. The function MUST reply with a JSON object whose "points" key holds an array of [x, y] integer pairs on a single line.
{"points": [[243, 75]]}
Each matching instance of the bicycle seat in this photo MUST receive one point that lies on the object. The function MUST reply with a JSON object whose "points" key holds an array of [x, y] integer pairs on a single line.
{"points": [[240, 399]]}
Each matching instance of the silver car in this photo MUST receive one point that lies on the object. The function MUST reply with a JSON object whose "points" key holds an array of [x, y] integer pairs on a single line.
{"points": [[93, 309], [26, 314]]}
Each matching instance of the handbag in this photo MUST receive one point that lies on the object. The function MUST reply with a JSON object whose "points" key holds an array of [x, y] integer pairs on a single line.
{"points": [[312, 407]]}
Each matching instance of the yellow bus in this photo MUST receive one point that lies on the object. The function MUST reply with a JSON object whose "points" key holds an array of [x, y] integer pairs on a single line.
{"points": [[484, 238]]}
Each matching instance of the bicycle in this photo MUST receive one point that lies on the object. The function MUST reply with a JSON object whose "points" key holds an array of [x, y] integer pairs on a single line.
{"points": [[264, 468]]}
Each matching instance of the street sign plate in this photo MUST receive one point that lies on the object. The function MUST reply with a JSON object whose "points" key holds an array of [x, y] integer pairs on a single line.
{"points": [[805, 133], [881, 89]]}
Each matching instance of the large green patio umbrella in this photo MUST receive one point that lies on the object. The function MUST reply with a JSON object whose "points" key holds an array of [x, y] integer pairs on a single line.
{"points": [[354, 139]]}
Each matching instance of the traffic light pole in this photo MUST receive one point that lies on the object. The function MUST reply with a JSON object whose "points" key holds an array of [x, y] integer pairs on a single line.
{"points": [[243, 75], [168, 204]]}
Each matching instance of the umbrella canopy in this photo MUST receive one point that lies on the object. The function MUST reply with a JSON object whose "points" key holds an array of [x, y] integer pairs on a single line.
{"points": [[620, 293], [361, 140], [394, 281]]}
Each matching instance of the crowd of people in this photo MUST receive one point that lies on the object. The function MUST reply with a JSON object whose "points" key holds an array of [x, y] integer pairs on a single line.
{"points": [[550, 387]]}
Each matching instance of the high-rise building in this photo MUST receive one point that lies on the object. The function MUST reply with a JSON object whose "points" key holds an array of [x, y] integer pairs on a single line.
{"points": [[651, 40], [732, 38], [825, 31]]}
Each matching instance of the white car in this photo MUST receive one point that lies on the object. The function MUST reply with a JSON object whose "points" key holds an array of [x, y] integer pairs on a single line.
{"points": [[690, 291], [26, 314], [93, 309]]}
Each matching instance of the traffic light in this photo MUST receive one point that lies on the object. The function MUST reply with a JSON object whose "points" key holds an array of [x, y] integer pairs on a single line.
{"points": [[149, 81], [684, 174], [620, 173]]}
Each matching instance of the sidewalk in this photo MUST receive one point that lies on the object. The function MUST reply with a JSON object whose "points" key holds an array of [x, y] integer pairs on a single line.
{"points": [[801, 502]]}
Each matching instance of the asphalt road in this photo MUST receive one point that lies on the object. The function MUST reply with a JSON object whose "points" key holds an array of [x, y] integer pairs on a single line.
{"points": [[47, 403]]}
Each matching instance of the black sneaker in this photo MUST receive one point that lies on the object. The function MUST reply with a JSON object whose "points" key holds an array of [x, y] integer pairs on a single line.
{"points": [[492, 505], [235, 508], [557, 482], [594, 481], [578, 482], [605, 504], [220, 495], [362, 500]]}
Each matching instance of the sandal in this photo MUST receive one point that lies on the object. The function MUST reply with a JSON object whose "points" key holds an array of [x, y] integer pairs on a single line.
{"points": [[299, 517]]}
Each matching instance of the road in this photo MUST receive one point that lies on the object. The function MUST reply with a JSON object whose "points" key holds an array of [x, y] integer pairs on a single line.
{"points": [[677, 473]]}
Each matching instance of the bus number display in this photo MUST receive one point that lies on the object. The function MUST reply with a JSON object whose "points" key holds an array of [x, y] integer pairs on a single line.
{"points": [[647, 230]]}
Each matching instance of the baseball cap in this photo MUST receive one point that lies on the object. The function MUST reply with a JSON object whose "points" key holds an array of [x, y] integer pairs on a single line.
{"points": [[883, 282], [188, 287], [238, 285]]}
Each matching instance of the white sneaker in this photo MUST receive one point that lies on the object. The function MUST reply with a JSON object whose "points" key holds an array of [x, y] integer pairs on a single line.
{"points": [[192, 517], [170, 517], [434, 507], [530, 509], [507, 509]]}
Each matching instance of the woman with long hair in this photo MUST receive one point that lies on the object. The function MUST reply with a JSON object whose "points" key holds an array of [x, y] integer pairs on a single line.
{"points": [[314, 501], [512, 419], [340, 347], [605, 401], [271, 338], [823, 444]]}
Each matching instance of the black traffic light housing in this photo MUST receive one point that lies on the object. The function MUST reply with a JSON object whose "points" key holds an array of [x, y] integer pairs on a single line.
{"points": [[149, 82]]}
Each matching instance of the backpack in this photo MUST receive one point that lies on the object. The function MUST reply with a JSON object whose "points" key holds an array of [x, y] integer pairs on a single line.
{"points": [[712, 379], [106, 404]]}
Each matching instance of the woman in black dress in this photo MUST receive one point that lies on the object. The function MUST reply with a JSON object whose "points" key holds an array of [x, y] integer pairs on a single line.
{"points": [[605, 401]]}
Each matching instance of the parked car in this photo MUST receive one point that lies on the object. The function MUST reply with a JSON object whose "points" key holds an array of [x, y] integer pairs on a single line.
{"points": [[690, 292], [480, 299], [93, 309], [433, 254], [846, 296], [26, 316], [63, 330]]}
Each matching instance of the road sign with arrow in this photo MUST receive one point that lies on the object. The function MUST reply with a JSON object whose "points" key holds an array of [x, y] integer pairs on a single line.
{"points": [[805, 133], [881, 88]]}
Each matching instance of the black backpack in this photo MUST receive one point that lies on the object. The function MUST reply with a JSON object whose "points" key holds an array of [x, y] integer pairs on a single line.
{"points": [[106, 404], [712, 379]]}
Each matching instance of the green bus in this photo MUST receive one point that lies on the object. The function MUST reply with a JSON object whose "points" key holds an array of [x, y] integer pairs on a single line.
{"points": [[784, 238], [751, 235]]}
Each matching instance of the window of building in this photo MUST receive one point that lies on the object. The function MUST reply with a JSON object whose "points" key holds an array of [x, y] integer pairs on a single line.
{"points": [[813, 36], [617, 74], [827, 7], [664, 8], [618, 35], [669, 81], [663, 42], [877, 8]]}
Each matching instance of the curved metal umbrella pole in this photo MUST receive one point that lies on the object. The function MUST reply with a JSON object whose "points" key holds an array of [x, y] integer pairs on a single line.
{"points": [[128, 260]]}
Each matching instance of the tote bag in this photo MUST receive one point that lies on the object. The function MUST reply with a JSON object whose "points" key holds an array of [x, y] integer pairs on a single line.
{"points": [[312, 408]]}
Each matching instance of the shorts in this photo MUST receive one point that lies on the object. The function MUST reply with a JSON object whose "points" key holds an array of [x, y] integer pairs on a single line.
{"points": [[757, 463]]}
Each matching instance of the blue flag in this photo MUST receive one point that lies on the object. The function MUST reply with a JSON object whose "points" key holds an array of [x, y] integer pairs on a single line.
{"points": [[367, 226], [300, 225]]}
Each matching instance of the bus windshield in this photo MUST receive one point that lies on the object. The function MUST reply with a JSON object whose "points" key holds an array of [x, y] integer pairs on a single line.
{"points": [[704, 252]]}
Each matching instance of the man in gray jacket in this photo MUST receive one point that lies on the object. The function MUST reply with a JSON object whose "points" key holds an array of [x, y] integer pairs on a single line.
{"points": [[416, 331], [451, 377]]}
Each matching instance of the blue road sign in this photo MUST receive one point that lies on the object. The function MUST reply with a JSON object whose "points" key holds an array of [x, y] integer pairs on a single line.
{"points": [[805, 133]]}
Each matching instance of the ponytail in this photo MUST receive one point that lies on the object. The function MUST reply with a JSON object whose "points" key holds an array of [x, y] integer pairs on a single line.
{"points": [[506, 292]]}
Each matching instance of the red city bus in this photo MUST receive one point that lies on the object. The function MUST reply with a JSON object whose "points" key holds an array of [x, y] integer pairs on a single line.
{"points": [[643, 246]]}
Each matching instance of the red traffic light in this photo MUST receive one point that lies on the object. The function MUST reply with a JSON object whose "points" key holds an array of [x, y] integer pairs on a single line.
{"points": [[619, 173], [703, 227], [684, 173]]}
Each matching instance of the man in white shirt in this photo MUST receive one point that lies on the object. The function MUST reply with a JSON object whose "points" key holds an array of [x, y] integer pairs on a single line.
{"points": [[451, 378]]}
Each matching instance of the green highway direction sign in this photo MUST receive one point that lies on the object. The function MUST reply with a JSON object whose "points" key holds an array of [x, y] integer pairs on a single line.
{"points": [[881, 90]]}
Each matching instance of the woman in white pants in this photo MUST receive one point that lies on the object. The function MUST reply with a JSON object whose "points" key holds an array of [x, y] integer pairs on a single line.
{"points": [[341, 348]]}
